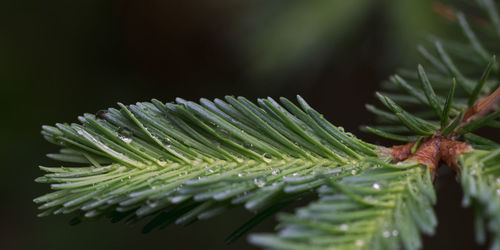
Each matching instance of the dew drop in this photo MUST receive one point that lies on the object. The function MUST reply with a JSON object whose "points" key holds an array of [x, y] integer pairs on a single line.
{"points": [[151, 203], [498, 192], [353, 172], [395, 233], [240, 174], [166, 141], [344, 227], [125, 139], [386, 234], [376, 186], [275, 172], [259, 182], [359, 243]]}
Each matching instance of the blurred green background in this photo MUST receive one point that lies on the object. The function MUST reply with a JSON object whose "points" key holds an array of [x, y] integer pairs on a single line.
{"points": [[59, 59]]}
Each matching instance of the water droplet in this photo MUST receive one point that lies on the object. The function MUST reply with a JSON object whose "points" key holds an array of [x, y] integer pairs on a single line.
{"points": [[386, 234], [248, 145], [498, 192], [166, 141], [210, 170], [294, 174], [376, 186], [259, 182], [268, 156], [240, 174], [151, 203], [275, 172], [142, 149], [344, 227], [395, 233], [359, 243], [125, 139], [353, 172]]}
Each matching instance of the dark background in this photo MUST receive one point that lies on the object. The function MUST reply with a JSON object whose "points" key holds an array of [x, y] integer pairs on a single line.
{"points": [[59, 59]]}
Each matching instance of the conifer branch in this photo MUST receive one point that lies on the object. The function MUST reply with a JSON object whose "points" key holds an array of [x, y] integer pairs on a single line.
{"points": [[381, 208], [185, 161]]}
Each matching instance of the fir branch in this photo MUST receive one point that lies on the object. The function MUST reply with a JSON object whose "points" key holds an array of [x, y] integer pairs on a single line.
{"points": [[185, 161], [378, 209]]}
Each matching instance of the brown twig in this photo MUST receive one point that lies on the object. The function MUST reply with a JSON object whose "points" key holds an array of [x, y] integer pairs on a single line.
{"points": [[431, 152], [451, 15], [482, 107]]}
